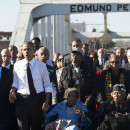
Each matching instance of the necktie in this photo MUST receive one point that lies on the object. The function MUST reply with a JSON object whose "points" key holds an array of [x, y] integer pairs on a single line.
{"points": [[102, 63], [30, 81]]}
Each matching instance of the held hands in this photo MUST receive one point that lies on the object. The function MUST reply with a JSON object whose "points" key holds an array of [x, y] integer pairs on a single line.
{"points": [[50, 126], [12, 96], [45, 107]]}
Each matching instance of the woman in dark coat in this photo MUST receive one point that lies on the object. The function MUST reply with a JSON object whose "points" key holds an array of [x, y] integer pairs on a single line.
{"points": [[114, 114]]}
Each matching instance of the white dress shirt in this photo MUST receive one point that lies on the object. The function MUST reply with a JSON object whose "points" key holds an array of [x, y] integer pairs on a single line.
{"points": [[101, 62], [39, 74]]}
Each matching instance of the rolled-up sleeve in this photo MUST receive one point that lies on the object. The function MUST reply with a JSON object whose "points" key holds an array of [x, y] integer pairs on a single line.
{"points": [[46, 80]]}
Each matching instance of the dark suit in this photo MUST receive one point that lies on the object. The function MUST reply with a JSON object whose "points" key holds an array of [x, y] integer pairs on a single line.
{"points": [[127, 67], [53, 79], [11, 66], [5, 106], [67, 59]]}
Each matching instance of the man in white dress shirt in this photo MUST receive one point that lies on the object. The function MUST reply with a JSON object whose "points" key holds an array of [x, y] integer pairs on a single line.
{"points": [[27, 96]]}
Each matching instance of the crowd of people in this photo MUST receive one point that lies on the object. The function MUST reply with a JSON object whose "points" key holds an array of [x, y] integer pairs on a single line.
{"points": [[81, 90]]}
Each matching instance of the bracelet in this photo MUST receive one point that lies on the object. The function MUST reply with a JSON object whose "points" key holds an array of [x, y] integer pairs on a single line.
{"points": [[54, 100]]}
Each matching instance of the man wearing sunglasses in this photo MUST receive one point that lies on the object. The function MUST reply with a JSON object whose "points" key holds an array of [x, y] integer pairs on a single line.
{"points": [[114, 75]]}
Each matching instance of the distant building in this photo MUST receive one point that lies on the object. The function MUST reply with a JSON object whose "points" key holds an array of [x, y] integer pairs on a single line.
{"points": [[5, 39], [78, 27]]}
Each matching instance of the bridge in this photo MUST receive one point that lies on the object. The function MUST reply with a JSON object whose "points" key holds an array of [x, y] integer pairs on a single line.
{"points": [[50, 20]]}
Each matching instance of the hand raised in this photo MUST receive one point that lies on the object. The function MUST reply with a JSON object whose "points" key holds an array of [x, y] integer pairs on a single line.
{"points": [[79, 111]]}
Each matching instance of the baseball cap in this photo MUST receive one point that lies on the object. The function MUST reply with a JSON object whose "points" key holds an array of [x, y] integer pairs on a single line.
{"points": [[78, 50], [119, 87]]}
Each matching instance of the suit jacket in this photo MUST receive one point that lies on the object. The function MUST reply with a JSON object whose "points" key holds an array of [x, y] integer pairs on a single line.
{"points": [[67, 59], [5, 86], [11, 66], [127, 67], [53, 79]]}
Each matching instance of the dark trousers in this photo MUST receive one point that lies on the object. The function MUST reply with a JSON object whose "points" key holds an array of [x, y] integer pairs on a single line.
{"points": [[29, 111], [5, 123], [5, 115]]}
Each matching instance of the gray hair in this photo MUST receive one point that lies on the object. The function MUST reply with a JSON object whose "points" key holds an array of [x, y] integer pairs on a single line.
{"points": [[71, 90], [44, 48]]}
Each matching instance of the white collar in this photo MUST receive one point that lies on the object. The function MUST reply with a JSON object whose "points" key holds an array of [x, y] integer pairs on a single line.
{"points": [[101, 59], [31, 62]]}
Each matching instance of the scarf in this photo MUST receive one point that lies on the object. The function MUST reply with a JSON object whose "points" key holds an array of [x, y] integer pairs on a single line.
{"points": [[108, 84]]}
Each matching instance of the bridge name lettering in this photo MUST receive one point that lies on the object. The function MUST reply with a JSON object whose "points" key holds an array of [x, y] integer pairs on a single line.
{"points": [[79, 8]]}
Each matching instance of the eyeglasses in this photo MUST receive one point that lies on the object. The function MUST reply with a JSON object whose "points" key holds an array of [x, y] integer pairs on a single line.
{"points": [[116, 62]]}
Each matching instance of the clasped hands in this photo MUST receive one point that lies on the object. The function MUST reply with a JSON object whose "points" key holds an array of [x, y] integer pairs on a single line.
{"points": [[12, 96]]}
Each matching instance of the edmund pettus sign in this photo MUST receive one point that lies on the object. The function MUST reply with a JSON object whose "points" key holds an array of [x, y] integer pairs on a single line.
{"points": [[79, 8]]}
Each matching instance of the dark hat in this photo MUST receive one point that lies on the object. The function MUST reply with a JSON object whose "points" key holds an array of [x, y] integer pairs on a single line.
{"points": [[119, 87], [78, 50]]}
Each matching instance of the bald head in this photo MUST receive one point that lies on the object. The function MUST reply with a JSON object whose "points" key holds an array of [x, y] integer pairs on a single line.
{"points": [[43, 54], [76, 44], [120, 52], [6, 57]]}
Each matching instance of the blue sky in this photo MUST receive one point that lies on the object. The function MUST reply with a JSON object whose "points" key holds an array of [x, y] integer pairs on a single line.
{"points": [[8, 14], [119, 22]]}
